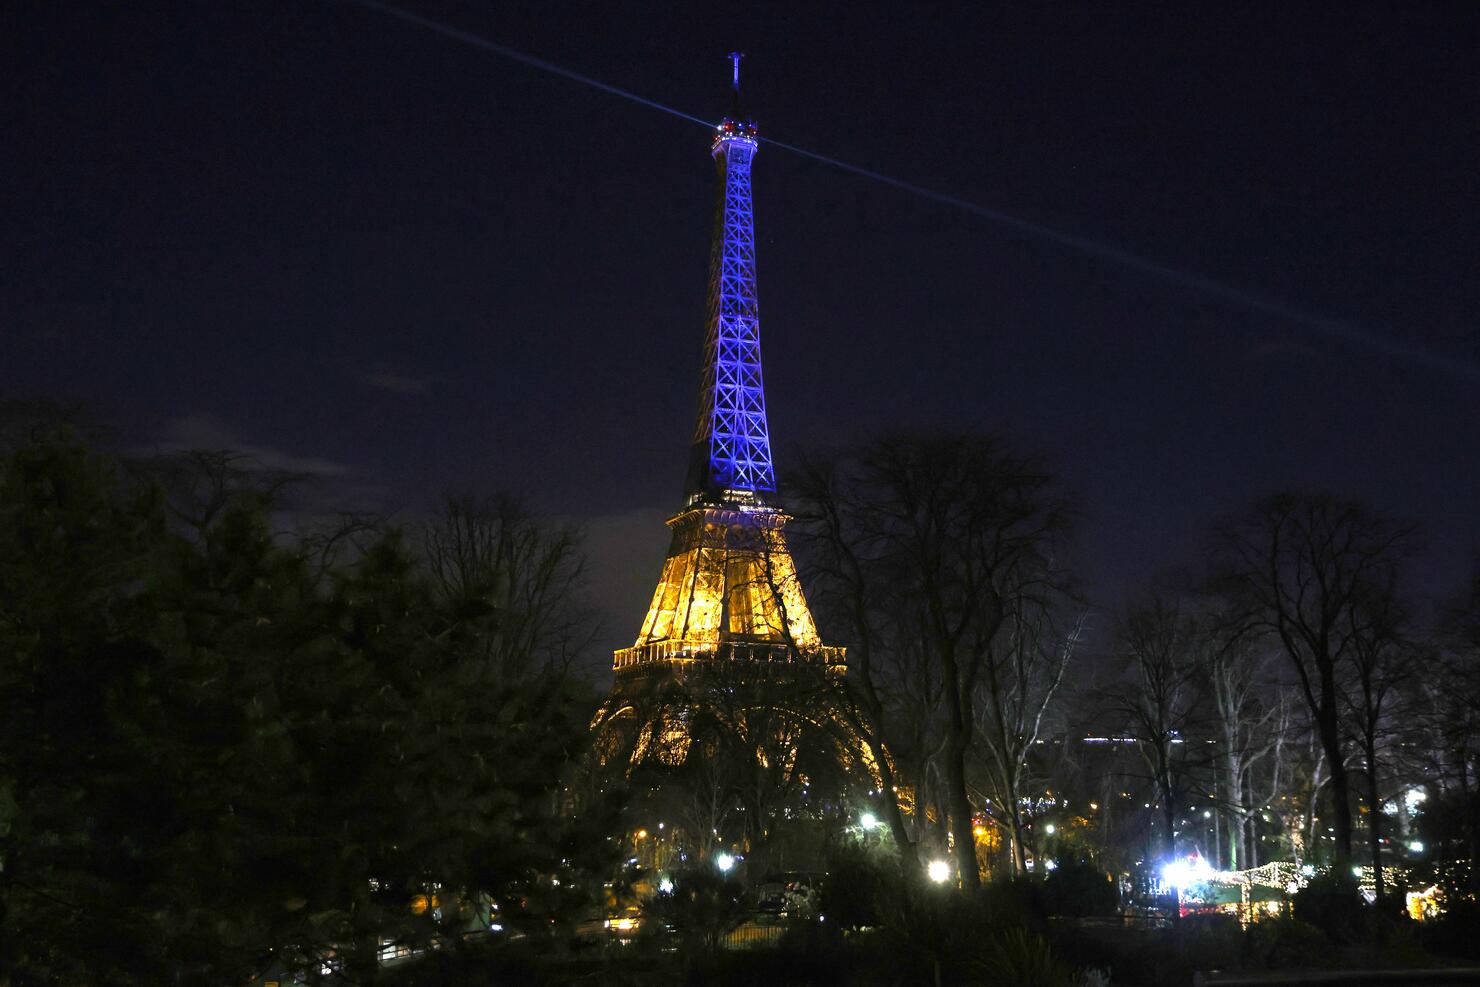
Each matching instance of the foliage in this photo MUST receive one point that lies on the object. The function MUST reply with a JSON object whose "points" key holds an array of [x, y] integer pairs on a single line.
{"points": [[220, 752], [703, 907], [1283, 942], [1453, 933], [528, 964], [1014, 901], [1332, 903], [853, 894], [75, 548], [936, 929], [1079, 888], [1016, 956], [922, 929], [1209, 942]]}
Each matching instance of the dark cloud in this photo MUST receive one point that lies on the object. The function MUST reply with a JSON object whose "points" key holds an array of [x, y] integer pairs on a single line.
{"points": [[204, 432]]}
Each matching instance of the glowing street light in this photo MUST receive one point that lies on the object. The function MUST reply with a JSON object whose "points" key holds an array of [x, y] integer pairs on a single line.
{"points": [[939, 871], [1050, 829], [724, 862], [868, 821]]}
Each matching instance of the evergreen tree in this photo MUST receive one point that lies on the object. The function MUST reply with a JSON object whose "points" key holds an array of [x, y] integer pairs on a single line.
{"points": [[219, 755]]}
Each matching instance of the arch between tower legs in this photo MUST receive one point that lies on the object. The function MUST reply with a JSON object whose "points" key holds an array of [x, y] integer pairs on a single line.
{"points": [[783, 716]]}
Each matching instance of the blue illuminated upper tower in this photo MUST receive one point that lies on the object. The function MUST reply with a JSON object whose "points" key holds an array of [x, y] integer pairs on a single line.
{"points": [[731, 456]]}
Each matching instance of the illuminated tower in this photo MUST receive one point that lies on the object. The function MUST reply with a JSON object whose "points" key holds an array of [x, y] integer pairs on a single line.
{"points": [[728, 593]]}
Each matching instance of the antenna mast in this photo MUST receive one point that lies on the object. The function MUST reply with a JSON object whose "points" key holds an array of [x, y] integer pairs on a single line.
{"points": [[735, 57]]}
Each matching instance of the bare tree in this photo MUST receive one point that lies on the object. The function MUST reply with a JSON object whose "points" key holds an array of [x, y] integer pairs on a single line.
{"points": [[707, 793], [1266, 736], [849, 582], [1444, 732], [200, 485], [1020, 680], [1299, 564], [1379, 661], [774, 729], [964, 540], [1315, 780], [491, 555], [1250, 722], [1159, 699]]}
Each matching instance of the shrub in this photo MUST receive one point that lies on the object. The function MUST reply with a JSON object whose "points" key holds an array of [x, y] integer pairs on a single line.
{"points": [[1016, 956], [1281, 942], [701, 910], [1210, 942], [1332, 903], [1014, 901], [856, 889], [1078, 888], [1453, 933], [930, 932]]}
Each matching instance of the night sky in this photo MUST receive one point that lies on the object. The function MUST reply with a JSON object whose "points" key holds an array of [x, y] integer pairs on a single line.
{"points": [[363, 250]]}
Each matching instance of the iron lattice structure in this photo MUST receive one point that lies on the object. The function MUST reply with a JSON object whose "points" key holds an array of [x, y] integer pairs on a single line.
{"points": [[728, 655], [732, 443], [729, 588]]}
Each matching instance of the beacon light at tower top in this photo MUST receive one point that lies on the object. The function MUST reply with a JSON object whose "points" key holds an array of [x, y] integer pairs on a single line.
{"points": [[738, 129]]}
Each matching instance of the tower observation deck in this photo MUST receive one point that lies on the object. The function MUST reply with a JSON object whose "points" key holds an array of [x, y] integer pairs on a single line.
{"points": [[729, 589]]}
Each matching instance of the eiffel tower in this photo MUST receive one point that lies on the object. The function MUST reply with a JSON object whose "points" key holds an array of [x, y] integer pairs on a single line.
{"points": [[728, 606]]}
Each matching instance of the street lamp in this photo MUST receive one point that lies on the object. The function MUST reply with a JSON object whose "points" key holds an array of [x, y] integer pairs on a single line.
{"points": [[724, 862], [939, 871], [868, 821]]}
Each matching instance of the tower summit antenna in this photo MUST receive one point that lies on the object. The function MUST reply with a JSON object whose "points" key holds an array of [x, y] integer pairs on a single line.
{"points": [[735, 57]]}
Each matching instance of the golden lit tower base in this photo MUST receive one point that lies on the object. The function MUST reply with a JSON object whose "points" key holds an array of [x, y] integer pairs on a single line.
{"points": [[728, 624], [729, 590]]}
